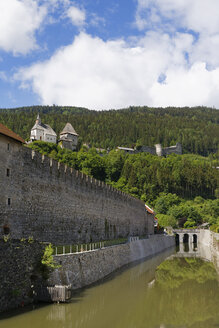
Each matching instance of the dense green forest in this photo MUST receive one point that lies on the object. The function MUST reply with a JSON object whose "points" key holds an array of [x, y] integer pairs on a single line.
{"points": [[197, 128], [183, 189]]}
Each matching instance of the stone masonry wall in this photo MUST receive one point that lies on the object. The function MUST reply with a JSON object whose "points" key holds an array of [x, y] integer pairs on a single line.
{"points": [[18, 263], [83, 269], [210, 251], [161, 151], [54, 203]]}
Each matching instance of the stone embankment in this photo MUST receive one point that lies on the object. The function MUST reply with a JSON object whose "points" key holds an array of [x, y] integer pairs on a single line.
{"points": [[210, 251], [19, 262], [82, 269]]}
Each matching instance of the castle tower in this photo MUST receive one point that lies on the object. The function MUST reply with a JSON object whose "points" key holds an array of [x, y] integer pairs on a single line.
{"points": [[68, 137], [159, 150], [38, 120], [178, 148]]}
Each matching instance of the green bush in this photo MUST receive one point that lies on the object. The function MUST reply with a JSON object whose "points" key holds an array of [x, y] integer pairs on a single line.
{"points": [[47, 262], [190, 224], [165, 201], [214, 228], [166, 221]]}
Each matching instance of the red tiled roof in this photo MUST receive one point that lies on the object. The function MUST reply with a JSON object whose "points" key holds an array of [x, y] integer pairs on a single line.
{"points": [[148, 209], [7, 132]]}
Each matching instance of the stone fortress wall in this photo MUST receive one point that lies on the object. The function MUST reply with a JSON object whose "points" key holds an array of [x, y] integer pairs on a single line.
{"points": [[161, 151], [156, 150], [54, 203]]}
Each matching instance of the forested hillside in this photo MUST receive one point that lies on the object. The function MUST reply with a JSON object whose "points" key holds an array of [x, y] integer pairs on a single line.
{"points": [[197, 129], [184, 190]]}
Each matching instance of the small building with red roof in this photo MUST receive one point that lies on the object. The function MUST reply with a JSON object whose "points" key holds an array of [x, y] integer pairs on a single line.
{"points": [[6, 133], [151, 211]]}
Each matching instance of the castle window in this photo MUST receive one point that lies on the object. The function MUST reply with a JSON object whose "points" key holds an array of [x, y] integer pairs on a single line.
{"points": [[8, 146], [6, 230], [8, 172], [9, 201]]}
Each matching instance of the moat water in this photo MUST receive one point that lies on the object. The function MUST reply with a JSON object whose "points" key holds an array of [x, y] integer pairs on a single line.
{"points": [[163, 292]]}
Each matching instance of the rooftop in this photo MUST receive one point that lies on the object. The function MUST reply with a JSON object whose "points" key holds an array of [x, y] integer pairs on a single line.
{"points": [[69, 129], [40, 126], [43, 126], [149, 210], [7, 132], [125, 148]]}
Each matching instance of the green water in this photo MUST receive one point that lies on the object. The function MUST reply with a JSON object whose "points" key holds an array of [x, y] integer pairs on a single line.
{"points": [[163, 292]]}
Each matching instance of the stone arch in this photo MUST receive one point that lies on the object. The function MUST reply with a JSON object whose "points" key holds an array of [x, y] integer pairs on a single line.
{"points": [[186, 238], [195, 238], [177, 240]]}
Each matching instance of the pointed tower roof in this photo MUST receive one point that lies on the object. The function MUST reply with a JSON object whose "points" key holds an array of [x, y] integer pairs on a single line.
{"points": [[68, 129], [38, 120]]}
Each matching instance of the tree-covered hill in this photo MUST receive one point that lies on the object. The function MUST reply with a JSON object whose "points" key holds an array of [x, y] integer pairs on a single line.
{"points": [[197, 128]]}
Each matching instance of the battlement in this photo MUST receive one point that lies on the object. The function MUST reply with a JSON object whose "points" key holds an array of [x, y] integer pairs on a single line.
{"points": [[55, 203], [71, 176]]}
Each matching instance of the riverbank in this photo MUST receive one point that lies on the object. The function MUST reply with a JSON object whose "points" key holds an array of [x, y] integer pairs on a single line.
{"points": [[82, 269], [19, 262]]}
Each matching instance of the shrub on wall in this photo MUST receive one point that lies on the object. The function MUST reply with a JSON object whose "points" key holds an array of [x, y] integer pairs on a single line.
{"points": [[47, 263]]}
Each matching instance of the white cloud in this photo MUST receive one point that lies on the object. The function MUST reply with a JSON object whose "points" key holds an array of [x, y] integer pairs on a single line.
{"points": [[96, 20], [112, 74], [77, 16], [3, 76], [194, 82], [198, 15], [206, 49], [183, 87], [166, 67], [19, 21], [98, 74]]}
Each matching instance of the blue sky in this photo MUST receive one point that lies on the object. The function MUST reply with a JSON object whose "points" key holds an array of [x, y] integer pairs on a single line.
{"points": [[104, 54]]}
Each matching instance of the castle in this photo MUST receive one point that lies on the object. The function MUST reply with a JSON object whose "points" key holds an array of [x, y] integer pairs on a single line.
{"points": [[69, 139], [157, 150], [51, 202], [42, 132], [68, 136]]}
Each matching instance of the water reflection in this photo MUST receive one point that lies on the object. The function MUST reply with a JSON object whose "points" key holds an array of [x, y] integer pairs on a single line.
{"points": [[166, 291], [187, 248]]}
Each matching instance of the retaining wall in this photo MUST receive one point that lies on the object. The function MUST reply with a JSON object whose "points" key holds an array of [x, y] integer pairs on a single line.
{"points": [[83, 269], [19, 262], [210, 251]]}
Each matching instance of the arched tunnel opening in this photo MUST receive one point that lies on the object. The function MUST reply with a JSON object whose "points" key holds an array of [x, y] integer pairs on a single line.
{"points": [[185, 238], [195, 239], [177, 239]]}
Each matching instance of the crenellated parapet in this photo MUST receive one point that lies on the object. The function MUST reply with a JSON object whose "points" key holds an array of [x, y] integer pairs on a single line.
{"points": [[52, 202], [58, 170]]}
